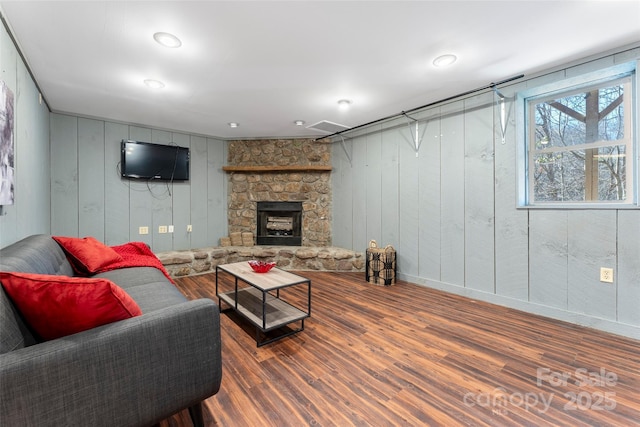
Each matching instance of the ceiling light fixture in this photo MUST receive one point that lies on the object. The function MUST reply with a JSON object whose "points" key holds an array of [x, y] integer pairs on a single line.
{"points": [[234, 124], [167, 40], [445, 60], [299, 122], [344, 104], [154, 84]]}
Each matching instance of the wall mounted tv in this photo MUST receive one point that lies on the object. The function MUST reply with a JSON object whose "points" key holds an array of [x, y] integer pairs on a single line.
{"points": [[144, 160]]}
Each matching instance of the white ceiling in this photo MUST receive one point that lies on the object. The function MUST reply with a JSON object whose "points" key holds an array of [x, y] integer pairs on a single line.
{"points": [[265, 64]]}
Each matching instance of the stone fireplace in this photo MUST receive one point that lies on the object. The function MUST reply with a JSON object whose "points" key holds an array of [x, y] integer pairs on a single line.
{"points": [[294, 172]]}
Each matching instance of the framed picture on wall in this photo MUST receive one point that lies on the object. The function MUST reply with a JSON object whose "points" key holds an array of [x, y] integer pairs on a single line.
{"points": [[7, 149]]}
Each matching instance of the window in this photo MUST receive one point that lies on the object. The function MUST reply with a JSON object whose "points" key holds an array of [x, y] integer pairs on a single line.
{"points": [[580, 143]]}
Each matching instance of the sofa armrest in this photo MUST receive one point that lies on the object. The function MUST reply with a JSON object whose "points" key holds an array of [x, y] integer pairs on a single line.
{"points": [[130, 373]]}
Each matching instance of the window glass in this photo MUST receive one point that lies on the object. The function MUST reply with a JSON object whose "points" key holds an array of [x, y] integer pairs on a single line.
{"points": [[580, 145]]}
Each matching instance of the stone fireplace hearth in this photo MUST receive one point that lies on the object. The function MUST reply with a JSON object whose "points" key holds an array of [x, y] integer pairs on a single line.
{"points": [[292, 170]]}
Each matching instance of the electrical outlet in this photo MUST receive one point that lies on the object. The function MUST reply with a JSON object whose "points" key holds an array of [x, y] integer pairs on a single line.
{"points": [[143, 230], [162, 229], [171, 229], [189, 228], [606, 275]]}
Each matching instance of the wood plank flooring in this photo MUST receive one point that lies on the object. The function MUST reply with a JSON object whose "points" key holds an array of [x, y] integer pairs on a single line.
{"points": [[410, 355]]}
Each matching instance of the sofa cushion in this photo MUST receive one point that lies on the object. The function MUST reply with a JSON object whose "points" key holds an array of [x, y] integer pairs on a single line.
{"points": [[11, 337], [38, 253], [147, 286], [130, 277], [87, 255], [56, 306]]}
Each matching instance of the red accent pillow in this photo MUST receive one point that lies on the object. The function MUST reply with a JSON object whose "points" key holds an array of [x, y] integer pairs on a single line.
{"points": [[87, 255], [56, 306]]}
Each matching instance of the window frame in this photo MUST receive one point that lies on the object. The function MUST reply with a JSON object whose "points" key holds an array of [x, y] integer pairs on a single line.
{"points": [[564, 88]]}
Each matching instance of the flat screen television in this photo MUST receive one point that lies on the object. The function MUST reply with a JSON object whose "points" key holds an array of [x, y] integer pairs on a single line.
{"points": [[144, 160]]}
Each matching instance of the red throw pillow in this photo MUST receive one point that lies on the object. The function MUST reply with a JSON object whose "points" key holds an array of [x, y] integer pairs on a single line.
{"points": [[56, 306], [87, 255]]}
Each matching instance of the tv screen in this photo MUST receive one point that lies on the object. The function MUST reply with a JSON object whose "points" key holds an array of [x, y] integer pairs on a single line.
{"points": [[144, 160]]}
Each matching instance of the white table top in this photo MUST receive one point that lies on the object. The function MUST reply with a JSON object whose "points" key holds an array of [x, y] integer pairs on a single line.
{"points": [[273, 279]]}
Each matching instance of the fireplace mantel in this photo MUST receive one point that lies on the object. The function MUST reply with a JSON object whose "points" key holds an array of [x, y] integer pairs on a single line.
{"points": [[275, 168]]}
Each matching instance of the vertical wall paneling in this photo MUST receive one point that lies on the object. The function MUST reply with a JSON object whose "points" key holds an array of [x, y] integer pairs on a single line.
{"points": [[181, 198], [478, 193], [161, 200], [470, 231], [112, 208], [429, 198], [452, 187], [8, 60], [116, 189], [91, 187], [359, 195], [408, 250], [140, 197], [31, 211], [342, 188], [548, 258], [374, 189], [627, 272], [389, 189], [198, 214], [591, 245], [511, 224], [217, 192], [64, 175], [33, 179]]}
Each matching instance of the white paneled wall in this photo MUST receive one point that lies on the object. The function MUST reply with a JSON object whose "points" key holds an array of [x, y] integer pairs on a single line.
{"points": [[30, 212], [89, 198], [452, 215]]}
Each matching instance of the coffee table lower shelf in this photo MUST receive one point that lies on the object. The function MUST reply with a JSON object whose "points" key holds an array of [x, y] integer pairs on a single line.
{"points": [[277, 313]]}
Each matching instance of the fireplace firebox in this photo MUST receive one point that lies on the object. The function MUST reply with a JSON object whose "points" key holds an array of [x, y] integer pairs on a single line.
{"points": [[279, 223]]}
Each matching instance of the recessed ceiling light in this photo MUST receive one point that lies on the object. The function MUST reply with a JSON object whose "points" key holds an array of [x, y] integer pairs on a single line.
{"points": [[444, 60], [234, 124], [299, 122], [167, 40], [343, 104], [154, 84]]}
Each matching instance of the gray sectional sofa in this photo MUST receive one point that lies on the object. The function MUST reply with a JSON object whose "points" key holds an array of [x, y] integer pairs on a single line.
{"points": [[133, 372]]}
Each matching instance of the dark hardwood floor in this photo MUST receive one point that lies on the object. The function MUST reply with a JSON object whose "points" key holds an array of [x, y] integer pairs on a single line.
{"points": [[410, 355]]}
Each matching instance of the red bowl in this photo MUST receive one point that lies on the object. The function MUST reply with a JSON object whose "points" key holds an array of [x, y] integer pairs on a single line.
{"points": [[261, 266]]}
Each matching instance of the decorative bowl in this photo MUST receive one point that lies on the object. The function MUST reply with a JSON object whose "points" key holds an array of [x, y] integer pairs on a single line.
{"points": [[261, 266]]}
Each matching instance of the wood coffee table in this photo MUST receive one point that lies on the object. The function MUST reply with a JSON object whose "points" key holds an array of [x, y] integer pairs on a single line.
{"points": [[263, 302]]}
